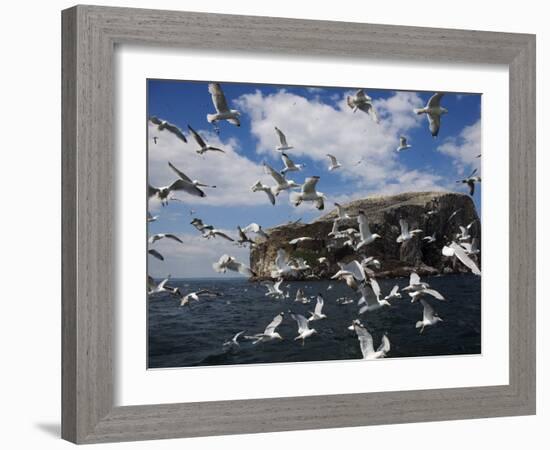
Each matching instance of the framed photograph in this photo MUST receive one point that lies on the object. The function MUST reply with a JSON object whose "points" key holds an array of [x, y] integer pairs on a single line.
{"points": [[282, 211]]}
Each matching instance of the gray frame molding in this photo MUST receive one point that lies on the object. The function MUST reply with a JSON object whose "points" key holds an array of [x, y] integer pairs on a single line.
{"points": [[90, 34]]}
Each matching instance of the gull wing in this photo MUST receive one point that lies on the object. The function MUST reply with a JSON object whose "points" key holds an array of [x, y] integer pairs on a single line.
{"points": [[282, 137], [223, 235], [433, 293], [152, 191], [240, 267], [394, 290], [434, 121], [355, 269], [174, 129], [279, 179], [182, 185], [375, 287], [384, 345], [365, 340], [180, 173], [286, 160], [435, 100], [218, 98], [163, 282], [270, 329], [414, 279], [333, 159], [364, 229], [473, 173], [301, 321], [428, 310], [174, 237], [365, 298], [197, 137], [156, 254], [309, 185], [465, 259], [319, 305], [277, 285], [404, 226], [463, 231], [281, 261], [155, 120]]}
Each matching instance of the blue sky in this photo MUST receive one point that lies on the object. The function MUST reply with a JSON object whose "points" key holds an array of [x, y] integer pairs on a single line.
{"points": [[316, 121]]}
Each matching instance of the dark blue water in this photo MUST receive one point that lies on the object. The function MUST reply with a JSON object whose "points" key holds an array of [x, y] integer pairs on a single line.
{"points": [[193, 336]]}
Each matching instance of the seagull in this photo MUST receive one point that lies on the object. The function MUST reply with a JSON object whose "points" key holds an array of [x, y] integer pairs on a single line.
{"points": [[269, 333], [227, 262], [366, 237], [203, 146], [243, 238], [301, 297], [163, 193], [340, 211], [394, 294], [282, 182], [471, 181], [403, 144], [309, 194], [154, 289], [464, 234], [334, 164], [163, 124], [405, 233], [418, 294], [222, 110], [282, 139], [347, 277], [273, 289], [156, 254], [303, 327], [199, 225], [429, 239], [258, 186], [155, 237], [434, 111], [195, 183], [186, 300], [429, 316], [234, 342], [456, 250], [372, 304], [255, 228], [289, 165], [363, 102], [213, 233], [470, 248], [281, 264], [151, 218], [317, 314], [415, 284], [367, 345]]}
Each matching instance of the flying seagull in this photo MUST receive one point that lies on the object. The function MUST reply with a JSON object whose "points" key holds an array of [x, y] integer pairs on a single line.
{"points": [[154, 289], [186, 300], [234, 341], [194, 183], [334, 164], [406, 234], [203, 146], [403, 144], [429, 239], [303, 327], [363, 102], [290, 166], [155, 237], [367, 345], [163, 124], [269, 333], [317, 314], [371, 303], [415, 284], [227, 262], [433, 111], [259, 186], [243, 238], [429, 317], [456, 250], [151, 218], [199, 225], [282, 139], [366, 237], [282, 266], [274, 289], [213, 233], [418, 294], [309, 194], [301, 297], [222, 110], [255, 228], [471, 181], [394, 294], [280, 179], [163, 192]]}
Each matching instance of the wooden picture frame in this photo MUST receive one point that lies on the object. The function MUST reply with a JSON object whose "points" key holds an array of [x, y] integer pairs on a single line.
{"points": [[90, 34]]}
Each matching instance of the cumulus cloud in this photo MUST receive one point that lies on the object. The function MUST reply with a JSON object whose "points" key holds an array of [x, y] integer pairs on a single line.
{"points": [[464, 148], [314, 129], [232, 173]]}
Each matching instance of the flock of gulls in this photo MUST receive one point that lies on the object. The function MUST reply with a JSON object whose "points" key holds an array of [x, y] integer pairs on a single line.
{"points": [[359, 276]]}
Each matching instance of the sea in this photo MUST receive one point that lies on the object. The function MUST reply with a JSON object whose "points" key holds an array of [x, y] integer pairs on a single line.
{"points": [[194, 335]]}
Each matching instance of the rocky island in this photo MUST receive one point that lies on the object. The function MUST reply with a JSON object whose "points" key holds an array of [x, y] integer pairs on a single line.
{"points": [[437, 214]]}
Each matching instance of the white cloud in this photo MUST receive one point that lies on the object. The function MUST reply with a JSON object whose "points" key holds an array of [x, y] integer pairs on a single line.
{"points": [[314, 129], [464, 148], [232, 173]]}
